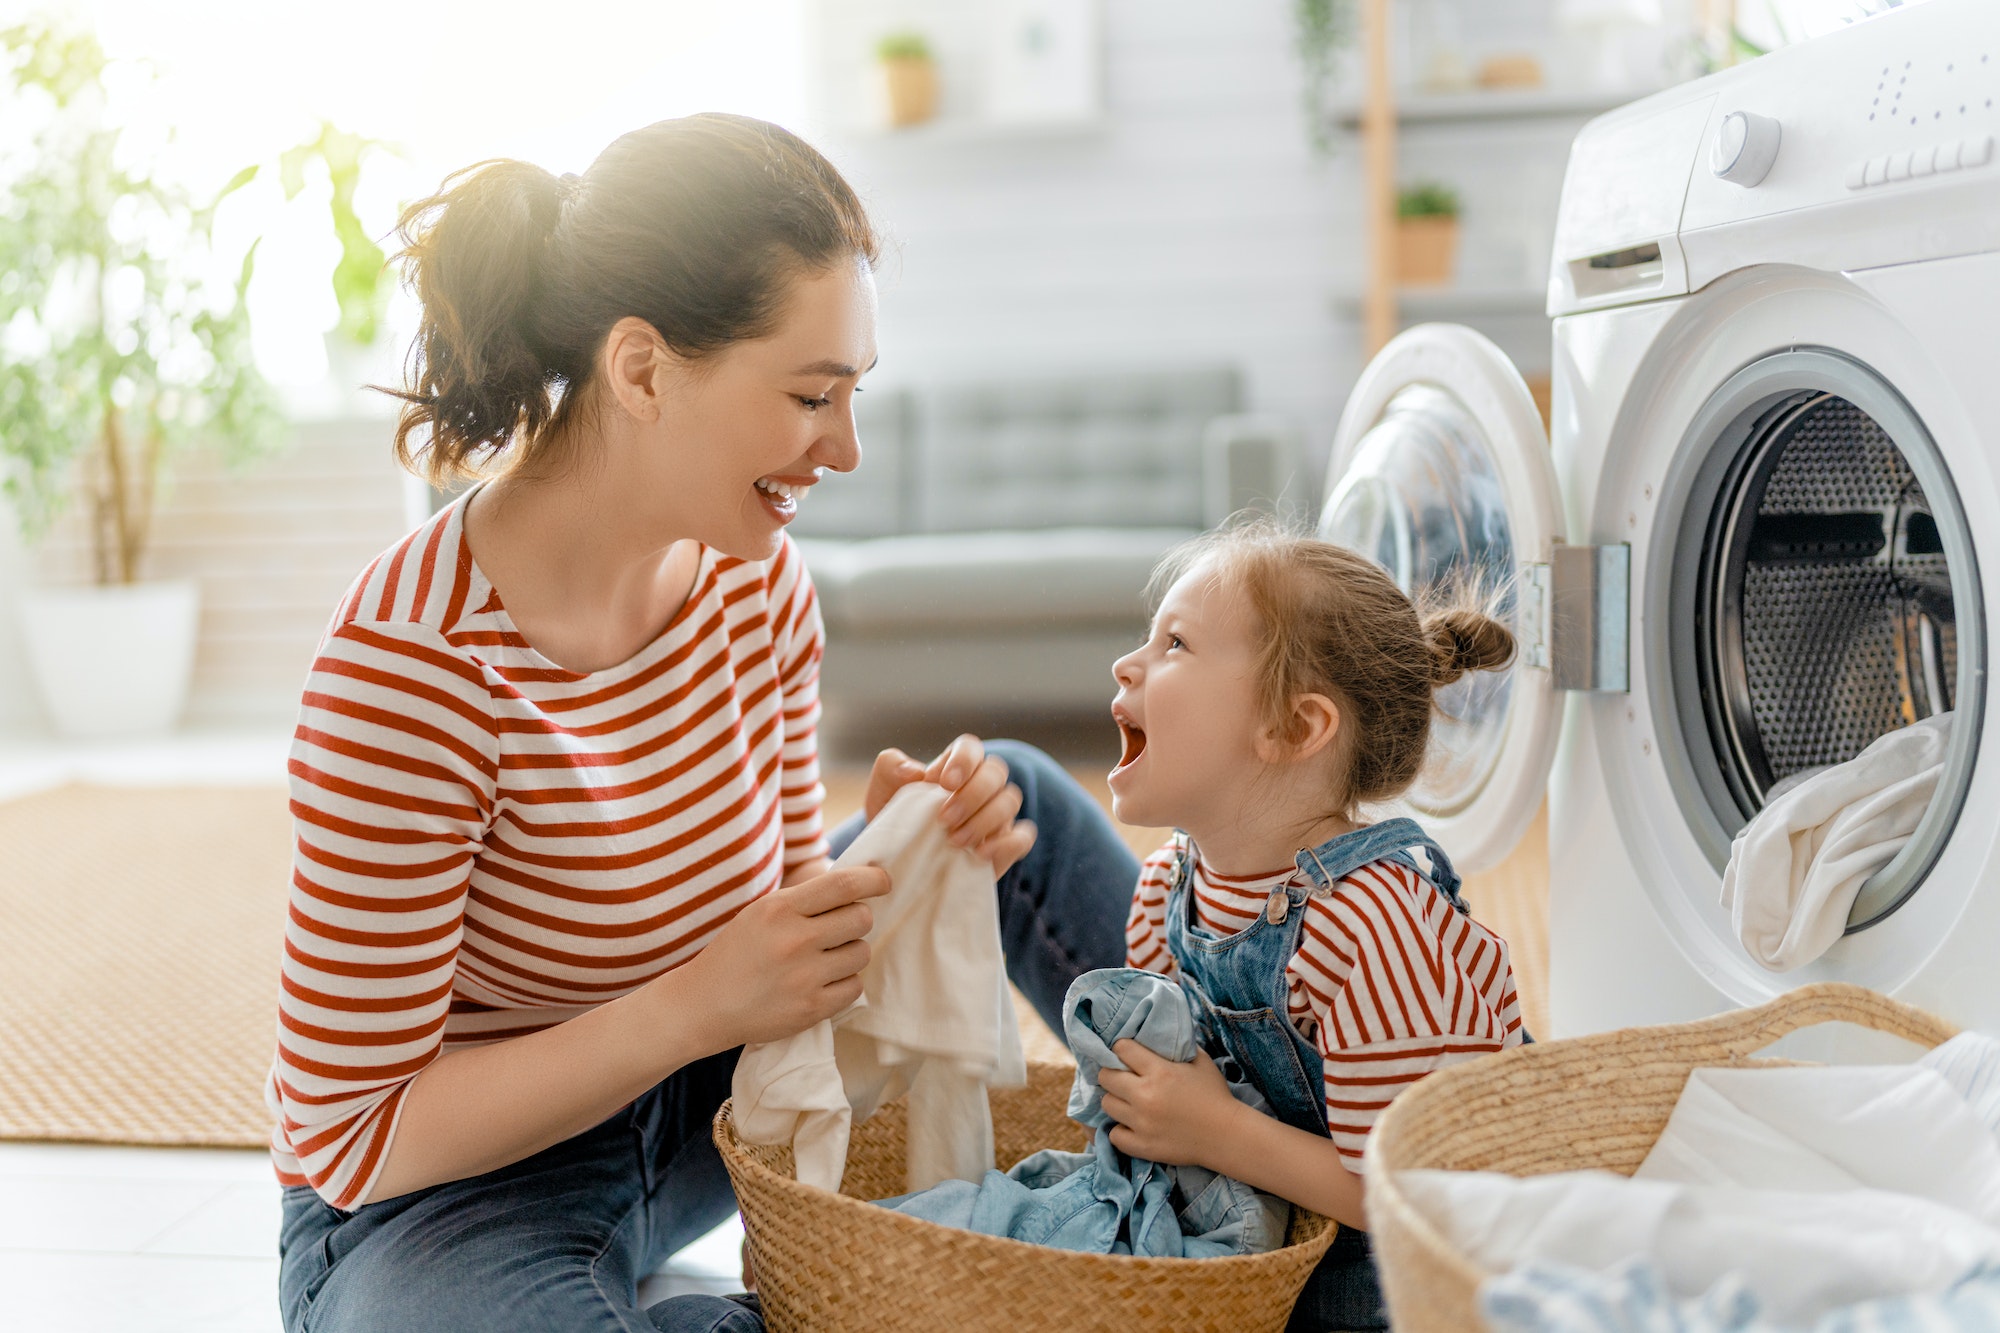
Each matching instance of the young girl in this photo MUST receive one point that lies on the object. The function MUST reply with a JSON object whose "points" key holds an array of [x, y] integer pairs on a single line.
{"points": [[1285, 688]]}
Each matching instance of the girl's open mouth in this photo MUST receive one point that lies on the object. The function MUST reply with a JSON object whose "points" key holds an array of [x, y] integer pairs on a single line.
{"points": [[1135, 744]]}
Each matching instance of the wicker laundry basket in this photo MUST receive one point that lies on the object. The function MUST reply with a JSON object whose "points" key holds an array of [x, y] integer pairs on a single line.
{"points": [[1588, 1102], [831, 1263]]}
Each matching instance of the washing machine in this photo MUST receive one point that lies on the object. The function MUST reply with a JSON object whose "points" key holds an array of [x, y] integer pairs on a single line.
{"points": [[1762, 531]]}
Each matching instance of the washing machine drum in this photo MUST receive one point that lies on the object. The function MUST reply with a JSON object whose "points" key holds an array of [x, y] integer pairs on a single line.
{"points": [[1827, 572], [1827, 616]]}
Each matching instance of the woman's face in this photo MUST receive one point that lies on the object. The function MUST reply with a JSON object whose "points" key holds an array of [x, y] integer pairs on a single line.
{"points": [[742, 435]]}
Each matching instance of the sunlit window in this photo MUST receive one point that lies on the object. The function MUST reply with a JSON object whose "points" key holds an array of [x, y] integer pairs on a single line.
{"points": [[444, 82]]}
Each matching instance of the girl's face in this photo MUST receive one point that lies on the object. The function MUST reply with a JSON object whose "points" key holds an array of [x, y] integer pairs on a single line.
{"points": [[1187, 708], [741, 436]]}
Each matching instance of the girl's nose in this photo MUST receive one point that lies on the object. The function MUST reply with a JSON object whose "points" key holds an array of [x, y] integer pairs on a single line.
{"points": [[1126, 670]]}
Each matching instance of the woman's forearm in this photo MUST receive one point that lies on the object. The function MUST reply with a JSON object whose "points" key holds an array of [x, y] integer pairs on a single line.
{"points": [[1305, 1169], [485, 1107]]}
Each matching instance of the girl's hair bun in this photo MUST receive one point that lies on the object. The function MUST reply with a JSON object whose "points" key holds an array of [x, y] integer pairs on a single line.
{"points": [[1464, 641]]}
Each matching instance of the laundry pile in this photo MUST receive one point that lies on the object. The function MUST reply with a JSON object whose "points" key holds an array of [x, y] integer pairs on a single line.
{"points": [[1795, 870], [1837, 1200], [1102, 1201], [935, 1018]]}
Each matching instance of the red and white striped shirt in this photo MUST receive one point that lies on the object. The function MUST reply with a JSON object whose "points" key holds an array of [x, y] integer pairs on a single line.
{"points": [[1390, 982], [488, 845]]}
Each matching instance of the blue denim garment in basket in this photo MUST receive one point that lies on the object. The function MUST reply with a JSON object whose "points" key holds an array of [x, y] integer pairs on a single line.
{"points": [[1102, 1201]]}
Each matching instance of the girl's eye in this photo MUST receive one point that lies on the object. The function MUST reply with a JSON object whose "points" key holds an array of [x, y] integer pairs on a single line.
{"points": [[1174, 641]]}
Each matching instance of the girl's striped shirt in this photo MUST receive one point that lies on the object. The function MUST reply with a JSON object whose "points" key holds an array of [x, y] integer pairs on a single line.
{"points": [[487, 844], [1390, 982]]}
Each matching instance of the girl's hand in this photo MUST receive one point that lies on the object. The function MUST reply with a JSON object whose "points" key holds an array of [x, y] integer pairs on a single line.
{"points": [[1167, 1112], [980, 813], [790, 958]]}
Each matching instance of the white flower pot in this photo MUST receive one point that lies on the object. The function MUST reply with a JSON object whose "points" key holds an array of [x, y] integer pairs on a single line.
{"points": [[113, 661]]}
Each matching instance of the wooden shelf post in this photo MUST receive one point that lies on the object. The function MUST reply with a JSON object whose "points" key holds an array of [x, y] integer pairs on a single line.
{"points": [[1378, 158]]}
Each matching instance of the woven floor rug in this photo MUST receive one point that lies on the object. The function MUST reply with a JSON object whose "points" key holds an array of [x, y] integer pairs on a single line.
{"points": [[140, 932]]}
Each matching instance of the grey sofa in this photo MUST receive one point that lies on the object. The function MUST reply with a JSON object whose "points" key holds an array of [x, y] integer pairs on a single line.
{"points": [[991, 554]]}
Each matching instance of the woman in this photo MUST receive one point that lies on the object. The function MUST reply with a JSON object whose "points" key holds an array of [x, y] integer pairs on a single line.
{"points": [[555, 783]]}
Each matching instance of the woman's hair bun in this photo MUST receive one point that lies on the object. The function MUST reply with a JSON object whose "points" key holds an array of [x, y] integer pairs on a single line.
{"points": [[1464, 641]]}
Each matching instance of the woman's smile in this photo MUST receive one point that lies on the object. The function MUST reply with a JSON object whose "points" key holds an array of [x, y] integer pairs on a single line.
{"points": [[781, 493]]}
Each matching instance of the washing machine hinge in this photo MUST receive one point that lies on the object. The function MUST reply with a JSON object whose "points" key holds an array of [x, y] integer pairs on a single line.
{"points": [[1576, 616]]}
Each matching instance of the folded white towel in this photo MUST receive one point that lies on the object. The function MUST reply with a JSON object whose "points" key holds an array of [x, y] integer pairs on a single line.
{"points": [[1796, 868], [935, 1018]]}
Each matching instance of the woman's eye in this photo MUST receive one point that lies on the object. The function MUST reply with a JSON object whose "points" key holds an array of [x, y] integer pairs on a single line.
{"points": [[813, 404]]}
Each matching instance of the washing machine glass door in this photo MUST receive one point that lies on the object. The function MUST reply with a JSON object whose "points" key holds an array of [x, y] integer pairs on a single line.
{"points": [[1441, 474]]}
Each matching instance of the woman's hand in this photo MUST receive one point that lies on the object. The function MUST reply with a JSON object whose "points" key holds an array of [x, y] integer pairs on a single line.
{"points": [[980, 813], [790, 958], [1167, 1112]]}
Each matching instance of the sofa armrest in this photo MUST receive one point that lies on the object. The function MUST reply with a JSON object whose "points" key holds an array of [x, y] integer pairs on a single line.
{"points": [[1248, 461]]}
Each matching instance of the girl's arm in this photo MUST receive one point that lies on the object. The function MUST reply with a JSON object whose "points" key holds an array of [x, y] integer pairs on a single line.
{"points": [[1183, 1114]]}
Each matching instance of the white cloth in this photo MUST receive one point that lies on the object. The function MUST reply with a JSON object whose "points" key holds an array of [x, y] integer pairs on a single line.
{"points": [[1813, 1188], [935, 1018], [1795, 869]]}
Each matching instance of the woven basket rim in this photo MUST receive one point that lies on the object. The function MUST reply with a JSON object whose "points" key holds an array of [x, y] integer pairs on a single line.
{"points": [[735, 1154], [1841, 1002]]}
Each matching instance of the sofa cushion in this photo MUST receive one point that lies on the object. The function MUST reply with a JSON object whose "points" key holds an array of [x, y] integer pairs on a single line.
{"points": [[982, 580], [1110, 450]]}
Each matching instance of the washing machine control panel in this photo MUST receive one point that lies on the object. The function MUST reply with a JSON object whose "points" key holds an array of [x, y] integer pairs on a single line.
{"points": [[1801, 157], [1907, 101]]}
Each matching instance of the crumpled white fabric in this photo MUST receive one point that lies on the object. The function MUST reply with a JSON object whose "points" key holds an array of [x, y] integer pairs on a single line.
{"points": [[1795, 869], [935, 1018], [1811, 1189]]}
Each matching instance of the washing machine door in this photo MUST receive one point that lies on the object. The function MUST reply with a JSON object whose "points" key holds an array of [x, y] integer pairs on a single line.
{"points": [[1441, 474]]}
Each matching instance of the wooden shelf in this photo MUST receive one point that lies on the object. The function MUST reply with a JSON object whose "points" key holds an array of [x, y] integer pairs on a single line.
{"points": [[964, 130], [1414, 305], [1497, 105]]}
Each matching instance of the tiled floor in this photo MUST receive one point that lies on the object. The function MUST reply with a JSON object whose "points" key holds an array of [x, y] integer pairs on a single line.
{"points": [[96, 1238], [178, 1240]]}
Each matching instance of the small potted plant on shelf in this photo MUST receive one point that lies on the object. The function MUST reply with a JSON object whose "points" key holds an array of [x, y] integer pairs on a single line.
{"points": [[123, 338], [1426, 234], [909, 78], [358, 350]]}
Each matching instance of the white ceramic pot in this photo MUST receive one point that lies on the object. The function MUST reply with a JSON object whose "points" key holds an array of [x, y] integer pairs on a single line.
{"points": [[113, 661]]}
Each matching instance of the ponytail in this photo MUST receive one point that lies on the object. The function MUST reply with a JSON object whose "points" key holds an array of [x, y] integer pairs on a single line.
{"points": [[476, 254]]}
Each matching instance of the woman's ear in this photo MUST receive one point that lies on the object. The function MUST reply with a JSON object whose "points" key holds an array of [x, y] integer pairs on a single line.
{"points": [[636, 364], [1311, 728]]}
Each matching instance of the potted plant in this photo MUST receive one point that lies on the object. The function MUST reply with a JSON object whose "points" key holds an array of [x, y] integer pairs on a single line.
{"points": [[1426, 234], [909, 78], [358, 351], [120, 343]]}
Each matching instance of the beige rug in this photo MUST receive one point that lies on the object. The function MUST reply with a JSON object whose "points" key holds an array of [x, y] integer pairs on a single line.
{"points": [[139, 944], [140, 931]]}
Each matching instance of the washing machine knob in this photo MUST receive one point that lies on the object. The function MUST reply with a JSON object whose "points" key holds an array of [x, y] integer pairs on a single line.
{"points": [[1746, 144]]}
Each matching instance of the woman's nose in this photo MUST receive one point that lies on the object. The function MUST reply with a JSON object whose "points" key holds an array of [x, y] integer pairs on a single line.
{"points": [[839, 444]]}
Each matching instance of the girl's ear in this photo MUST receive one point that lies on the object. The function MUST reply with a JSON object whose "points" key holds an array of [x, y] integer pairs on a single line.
{"points": [[1311, 728]]}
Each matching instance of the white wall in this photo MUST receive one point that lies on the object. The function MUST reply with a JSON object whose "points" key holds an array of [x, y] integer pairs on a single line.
{"points": [[1193, 226], [272, 544]]}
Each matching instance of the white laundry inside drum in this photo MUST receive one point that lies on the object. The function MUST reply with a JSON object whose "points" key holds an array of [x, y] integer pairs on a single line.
{"points": [[1828, 575]]}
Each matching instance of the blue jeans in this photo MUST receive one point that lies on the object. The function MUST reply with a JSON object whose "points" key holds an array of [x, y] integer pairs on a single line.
{"points": [[559, 1241]]}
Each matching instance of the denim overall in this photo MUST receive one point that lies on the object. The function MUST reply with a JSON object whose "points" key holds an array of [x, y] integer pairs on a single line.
{"points": [[1237, 987]]}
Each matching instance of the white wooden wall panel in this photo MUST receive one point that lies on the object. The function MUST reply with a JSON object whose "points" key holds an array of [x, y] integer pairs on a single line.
{"points": [[273, 545]]}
